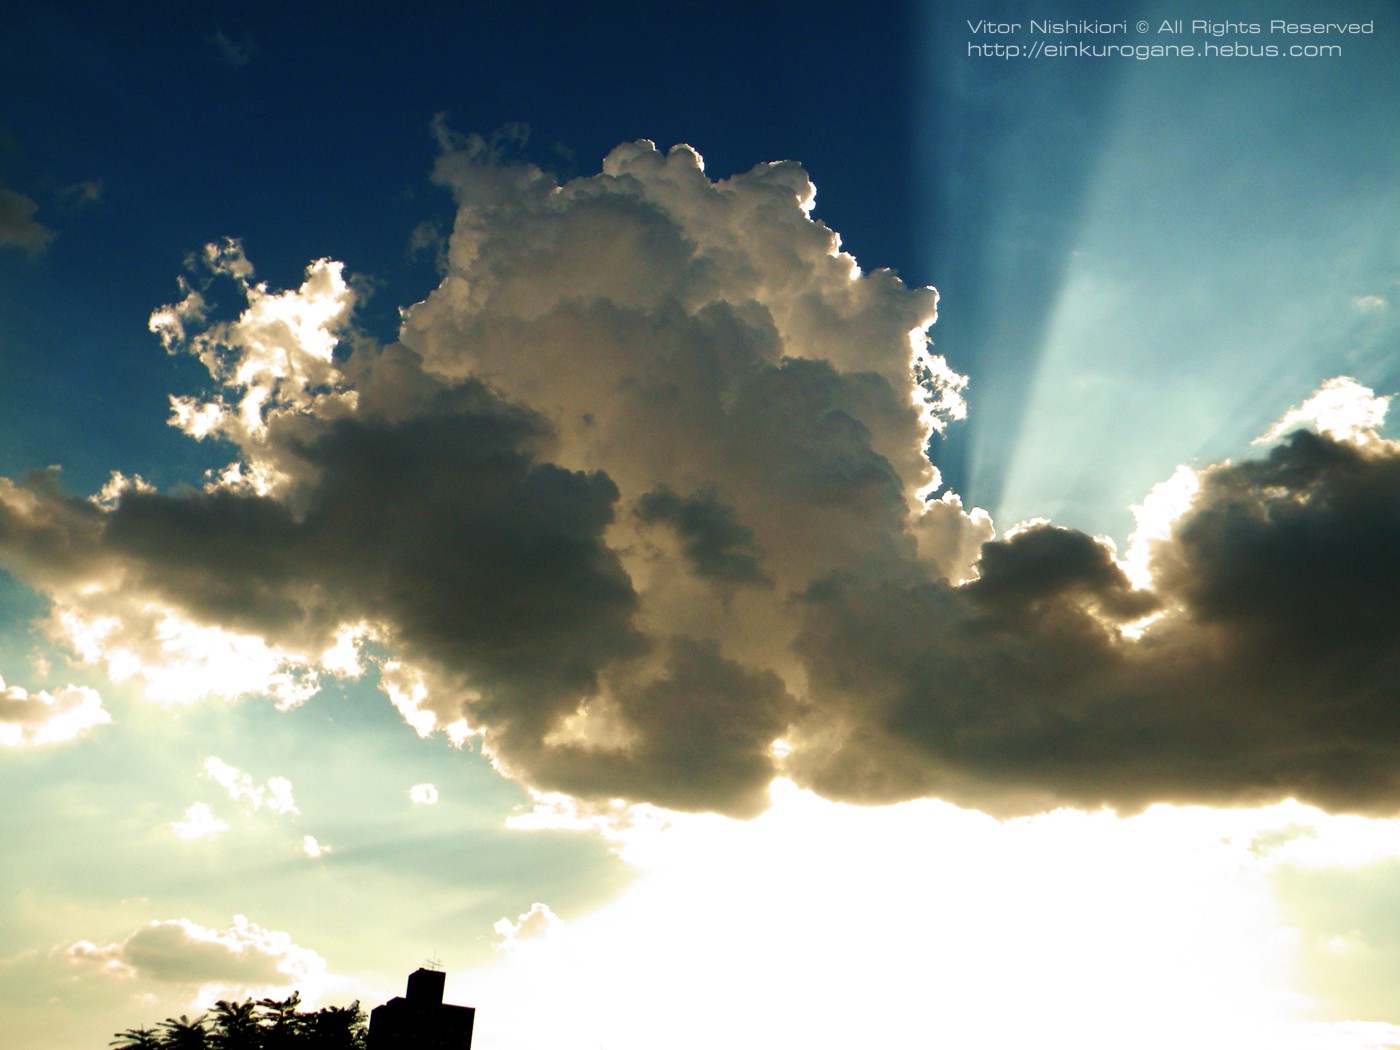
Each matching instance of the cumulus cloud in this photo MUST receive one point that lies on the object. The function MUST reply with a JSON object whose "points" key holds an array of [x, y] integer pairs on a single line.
{"points": [[48, 718], [199, 823], [537, 923], [423, 794], [244, 959], [641, 491], [313, 848], [1267, 671]]}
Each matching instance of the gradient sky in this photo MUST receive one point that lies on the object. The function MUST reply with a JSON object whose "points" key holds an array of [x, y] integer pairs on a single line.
{"points": [[463, 497]]}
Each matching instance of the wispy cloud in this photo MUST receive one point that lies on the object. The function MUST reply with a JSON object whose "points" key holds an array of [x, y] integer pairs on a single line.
{"points": [[233, 53], [82, 194], [276, 794], [18, 227]]}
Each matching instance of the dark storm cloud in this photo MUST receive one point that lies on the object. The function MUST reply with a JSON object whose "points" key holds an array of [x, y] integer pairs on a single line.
{"points": [[717, 545], [698, 735], [639, 499], [441, 524], [1044, 567], [1275, 670], [1296, 552]]}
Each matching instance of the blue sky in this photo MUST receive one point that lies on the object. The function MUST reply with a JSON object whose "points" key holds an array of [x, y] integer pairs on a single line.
{"points": [[481, 533]]}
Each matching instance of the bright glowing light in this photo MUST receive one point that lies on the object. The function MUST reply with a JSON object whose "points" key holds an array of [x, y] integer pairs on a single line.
{"points": [[825, 925], [408, 692], [177, 660], [1341, 408], [1155, 516], [343, 659], [48, 718]]}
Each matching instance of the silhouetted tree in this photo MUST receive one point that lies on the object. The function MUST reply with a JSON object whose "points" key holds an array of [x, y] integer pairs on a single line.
{"points": [[235, 1026], [137, 1039], [337, 1028], [183, 1034], [281, 1024], [268, 1024]]}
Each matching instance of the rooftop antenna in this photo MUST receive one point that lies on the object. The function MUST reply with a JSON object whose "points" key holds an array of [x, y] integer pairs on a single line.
{"points": [[433, 962]]}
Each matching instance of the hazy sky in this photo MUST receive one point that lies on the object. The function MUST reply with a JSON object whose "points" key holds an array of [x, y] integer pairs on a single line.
{"points": [[500, 486]]}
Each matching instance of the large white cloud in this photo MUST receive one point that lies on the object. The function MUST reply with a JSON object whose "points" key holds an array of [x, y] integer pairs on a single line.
{"points": [[827, 925], [641, 497]]}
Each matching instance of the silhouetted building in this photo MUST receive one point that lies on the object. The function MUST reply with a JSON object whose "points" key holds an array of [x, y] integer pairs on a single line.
{"points": [[421, 1020]]}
